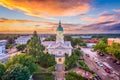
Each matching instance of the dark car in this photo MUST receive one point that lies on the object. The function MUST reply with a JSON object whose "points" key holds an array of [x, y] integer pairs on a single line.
{"points": [[114, 61], [87, 55], [98, 77], [108, 70]]}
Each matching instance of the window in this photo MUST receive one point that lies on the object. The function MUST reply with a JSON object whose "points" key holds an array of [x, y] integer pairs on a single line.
{"points": [[59, 52]]}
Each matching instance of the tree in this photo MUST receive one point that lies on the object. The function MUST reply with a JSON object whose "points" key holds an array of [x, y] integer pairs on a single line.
{"points": [[114, 50], [25, 60], [101, 46], [68, 38], [17, 72], [47, 60], [43, 76], [2, 69], [11, 40], [104, 39], [21, 47], [76, 41], [9, 46], [70, 61], [50, 39], [35, 47], [51, 68], [74, 76], [36, 50], [78, 52]]}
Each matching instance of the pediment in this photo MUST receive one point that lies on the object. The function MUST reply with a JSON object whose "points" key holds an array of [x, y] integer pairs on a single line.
{"points": [[60, 47]]}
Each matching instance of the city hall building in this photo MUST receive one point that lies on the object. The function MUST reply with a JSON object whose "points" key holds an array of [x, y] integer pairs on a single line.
{"points": [[58, 47]]}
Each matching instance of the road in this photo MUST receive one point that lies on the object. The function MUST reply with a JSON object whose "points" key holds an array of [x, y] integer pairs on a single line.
{"points": [[5, 57], [97, 69]]}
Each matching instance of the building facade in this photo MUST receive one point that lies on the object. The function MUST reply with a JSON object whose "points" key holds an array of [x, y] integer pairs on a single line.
{"points": [[2, 46], [58, 47], [111, 40], [23, 39]]}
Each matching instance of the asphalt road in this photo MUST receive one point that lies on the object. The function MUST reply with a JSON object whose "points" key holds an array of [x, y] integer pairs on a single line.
{"points": [[97, 69], [5, 57]]}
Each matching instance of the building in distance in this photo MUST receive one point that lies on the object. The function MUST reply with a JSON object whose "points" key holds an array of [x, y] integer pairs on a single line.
{"points": [[23, 39], [3, 46], [111, 40]]}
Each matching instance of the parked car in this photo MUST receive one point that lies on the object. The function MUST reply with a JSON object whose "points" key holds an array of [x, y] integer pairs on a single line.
{"points": [[95, 60], [98, 77], [114, 61], [108, 70], [87, 55], [100, 64], [101, 54], [92, 50], [118, 63]]}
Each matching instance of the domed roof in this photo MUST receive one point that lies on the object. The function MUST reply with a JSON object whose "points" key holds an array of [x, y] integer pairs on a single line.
{"points": [[59, 28]]}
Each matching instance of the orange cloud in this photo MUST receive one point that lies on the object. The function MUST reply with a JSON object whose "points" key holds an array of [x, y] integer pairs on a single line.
{"points": [[28, 26], [88, 18], [48, 8], [15, 21], [106, 17]]}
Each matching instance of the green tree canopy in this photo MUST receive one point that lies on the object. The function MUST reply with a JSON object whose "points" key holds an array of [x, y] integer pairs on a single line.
{"points": [[78, 52], [25, 60], [47, 60], [16, 72], [76, 41], [74, 76], [101, 46], [2, 69], [21, 47], [35, 47], [104, 39], [70, 61], [52, 38], [9, 46], [114, 50]]}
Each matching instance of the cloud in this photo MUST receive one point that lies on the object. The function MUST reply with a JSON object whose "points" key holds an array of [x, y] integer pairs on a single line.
{"points": [[48, 8], [106, 17], [117, 10], [28, 26], [10, 25], [15, 21], [88, 18]]}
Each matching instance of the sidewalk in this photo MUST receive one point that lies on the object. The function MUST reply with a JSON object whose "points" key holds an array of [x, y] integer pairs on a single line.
{"points": [[83, 73]]}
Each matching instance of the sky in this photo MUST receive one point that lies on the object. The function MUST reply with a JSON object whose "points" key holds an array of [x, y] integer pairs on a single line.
{"points": [[77, 16]]}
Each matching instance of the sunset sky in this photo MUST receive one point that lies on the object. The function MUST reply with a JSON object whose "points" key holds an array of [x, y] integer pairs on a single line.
{"points": [[77, 16]]}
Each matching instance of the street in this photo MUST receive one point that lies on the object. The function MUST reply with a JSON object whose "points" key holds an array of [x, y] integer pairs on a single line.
{"points": [[5, 57], [97, 69]]}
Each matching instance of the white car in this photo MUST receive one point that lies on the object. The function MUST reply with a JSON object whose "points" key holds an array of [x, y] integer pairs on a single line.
{"points": [[100, 64], [92, 50], [95, 60]]}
